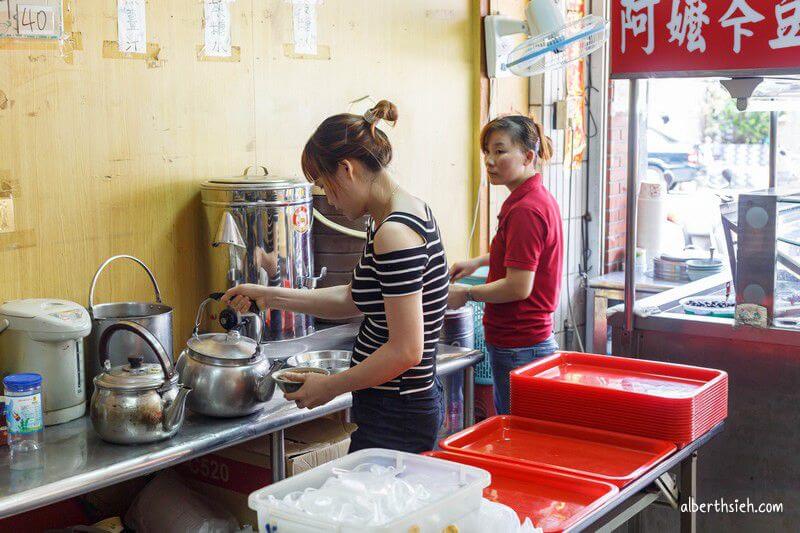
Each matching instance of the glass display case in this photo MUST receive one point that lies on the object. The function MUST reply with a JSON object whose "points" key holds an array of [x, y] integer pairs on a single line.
{"points": [[762, 233]]}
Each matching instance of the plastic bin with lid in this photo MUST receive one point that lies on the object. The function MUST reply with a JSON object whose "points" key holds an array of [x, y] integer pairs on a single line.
{"points": [[448, 509]]}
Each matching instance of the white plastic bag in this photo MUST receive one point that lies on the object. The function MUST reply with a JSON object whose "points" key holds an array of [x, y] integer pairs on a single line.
{"points": [[494, 516], [166, 504]]}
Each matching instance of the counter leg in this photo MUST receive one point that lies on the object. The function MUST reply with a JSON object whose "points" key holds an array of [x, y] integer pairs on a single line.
{"points": [[590, 335], [277, 456], [469, 396], [599, 324], [689, 493]]}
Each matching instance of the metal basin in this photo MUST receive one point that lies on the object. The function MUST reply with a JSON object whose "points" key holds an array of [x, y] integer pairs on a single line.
{"points": [[289, 385], [334, 361]]}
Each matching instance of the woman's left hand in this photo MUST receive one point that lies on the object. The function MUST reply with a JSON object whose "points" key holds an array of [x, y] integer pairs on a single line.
{"points": [[457, 297], [316, 391]]}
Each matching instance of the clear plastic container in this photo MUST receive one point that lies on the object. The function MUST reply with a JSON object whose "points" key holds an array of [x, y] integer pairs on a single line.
{"points": [[450, 508], [23, 397]]}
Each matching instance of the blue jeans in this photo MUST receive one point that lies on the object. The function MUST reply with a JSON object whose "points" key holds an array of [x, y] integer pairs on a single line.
{"points": [[407, 423], [504, 360]]}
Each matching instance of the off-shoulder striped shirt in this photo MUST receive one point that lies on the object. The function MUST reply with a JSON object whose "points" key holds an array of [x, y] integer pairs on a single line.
{"points": [[422, 269]]}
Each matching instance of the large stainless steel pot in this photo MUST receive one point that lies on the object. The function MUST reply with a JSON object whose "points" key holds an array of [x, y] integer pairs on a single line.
{"points": [[139, 402], [259, 230], [155, 317], [228, 373]]}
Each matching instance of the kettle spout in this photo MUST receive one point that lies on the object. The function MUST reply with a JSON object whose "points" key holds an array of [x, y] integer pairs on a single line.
{"points": [[265, 387], [175, 412], [228, 232]]}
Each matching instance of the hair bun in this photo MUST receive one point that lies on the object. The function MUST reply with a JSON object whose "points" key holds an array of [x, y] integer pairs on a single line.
{"points": [[384, 110]]}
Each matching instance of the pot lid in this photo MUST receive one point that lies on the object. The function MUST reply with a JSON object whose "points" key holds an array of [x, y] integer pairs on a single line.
{"points": [[683, 255], [38, 307], [46, 316], [455, 314], [257, 183], [231, 346], [134, 376], [705, 264]]}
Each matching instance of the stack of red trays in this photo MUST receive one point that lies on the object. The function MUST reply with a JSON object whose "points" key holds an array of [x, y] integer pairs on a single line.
{"points": [[665, 401]]}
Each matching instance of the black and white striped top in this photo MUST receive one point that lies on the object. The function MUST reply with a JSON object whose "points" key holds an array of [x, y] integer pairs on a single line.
{"points": [[400, 273]]}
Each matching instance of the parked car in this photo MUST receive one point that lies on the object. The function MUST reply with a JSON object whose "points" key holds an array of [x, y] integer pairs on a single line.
{"points": [[670, 160]]}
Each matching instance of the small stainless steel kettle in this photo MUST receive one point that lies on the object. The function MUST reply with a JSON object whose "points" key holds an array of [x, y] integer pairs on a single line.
{"points": [[229, 373], [138, 402]]}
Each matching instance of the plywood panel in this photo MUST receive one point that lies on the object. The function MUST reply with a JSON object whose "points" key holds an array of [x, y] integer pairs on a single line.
{"points": [[108, 154]]}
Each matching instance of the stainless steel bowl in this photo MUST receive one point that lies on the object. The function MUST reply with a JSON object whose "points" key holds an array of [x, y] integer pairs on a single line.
{"points": [[288, 385], [334, 361]]}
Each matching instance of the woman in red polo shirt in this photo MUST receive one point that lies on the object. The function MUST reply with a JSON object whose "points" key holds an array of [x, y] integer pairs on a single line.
{"points": [[525, 257]]}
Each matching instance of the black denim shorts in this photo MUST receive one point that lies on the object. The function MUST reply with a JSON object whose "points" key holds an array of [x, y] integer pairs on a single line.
{"points": [[404, 423]]}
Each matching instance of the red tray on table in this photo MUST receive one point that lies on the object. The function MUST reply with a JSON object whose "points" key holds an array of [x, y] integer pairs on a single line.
{"points": [[673, 402], [615, 458], [665, 384], [554, 501]]}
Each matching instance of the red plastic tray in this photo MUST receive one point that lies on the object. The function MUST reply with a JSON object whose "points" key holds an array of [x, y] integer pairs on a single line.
{"points": [[621, 376], [616, 458], [550, 407], [680, 437], [602, 407], [554, 501], [565, 416], [544, 385]]}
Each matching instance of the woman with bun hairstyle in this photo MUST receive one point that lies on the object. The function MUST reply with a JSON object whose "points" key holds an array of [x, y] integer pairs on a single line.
{"points": [[399, 285], [525, 257]]}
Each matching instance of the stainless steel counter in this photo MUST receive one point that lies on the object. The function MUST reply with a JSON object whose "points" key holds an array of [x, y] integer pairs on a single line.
{"points": [[75, 461]]}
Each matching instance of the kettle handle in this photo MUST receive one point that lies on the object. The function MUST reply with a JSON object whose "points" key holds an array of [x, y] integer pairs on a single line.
{"points": [[114, 258], [199, 317], [149, 339], [217, 296]]}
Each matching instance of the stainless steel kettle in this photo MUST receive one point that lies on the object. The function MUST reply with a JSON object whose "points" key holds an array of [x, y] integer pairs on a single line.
{"points": [[139, 402], [228, 372]]}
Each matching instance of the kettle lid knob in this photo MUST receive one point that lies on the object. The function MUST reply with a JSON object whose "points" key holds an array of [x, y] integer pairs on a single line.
{"points": [[136, 361]]}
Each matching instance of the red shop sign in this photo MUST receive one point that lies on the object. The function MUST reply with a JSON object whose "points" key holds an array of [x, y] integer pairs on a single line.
{"points": [[704, 37]]}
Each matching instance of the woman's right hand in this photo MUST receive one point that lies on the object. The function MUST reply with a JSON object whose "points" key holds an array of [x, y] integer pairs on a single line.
{"points": [[463, 269], [241, 296]]}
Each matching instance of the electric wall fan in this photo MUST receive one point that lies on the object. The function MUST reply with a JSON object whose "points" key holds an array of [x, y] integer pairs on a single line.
{"points": [[552, 43]]}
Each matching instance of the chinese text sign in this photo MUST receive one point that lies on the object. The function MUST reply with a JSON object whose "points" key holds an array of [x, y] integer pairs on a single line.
{"points": [[703, 37]]}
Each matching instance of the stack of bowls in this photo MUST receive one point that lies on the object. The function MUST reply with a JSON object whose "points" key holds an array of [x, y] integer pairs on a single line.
{"points": [[700, 268], [670, 270]]}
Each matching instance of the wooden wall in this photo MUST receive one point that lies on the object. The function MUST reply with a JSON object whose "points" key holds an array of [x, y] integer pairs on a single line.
{"points": [[105, 155]]}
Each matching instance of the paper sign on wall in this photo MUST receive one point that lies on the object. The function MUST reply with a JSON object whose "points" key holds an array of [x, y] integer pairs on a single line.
{"points": [[36, 20], [304, 23], [131, 27], [31, 19], [217, 31], [6, 215]]}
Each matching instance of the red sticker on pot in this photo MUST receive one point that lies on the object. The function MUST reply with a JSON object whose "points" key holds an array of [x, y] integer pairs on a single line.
{"points": [[300, 219]]}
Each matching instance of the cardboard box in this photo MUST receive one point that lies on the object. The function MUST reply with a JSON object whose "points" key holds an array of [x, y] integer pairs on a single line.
{"points": [[230, 475]]}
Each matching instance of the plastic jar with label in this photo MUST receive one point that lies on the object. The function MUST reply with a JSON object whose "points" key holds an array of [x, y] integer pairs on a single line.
{"points": [[24, 412]]}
